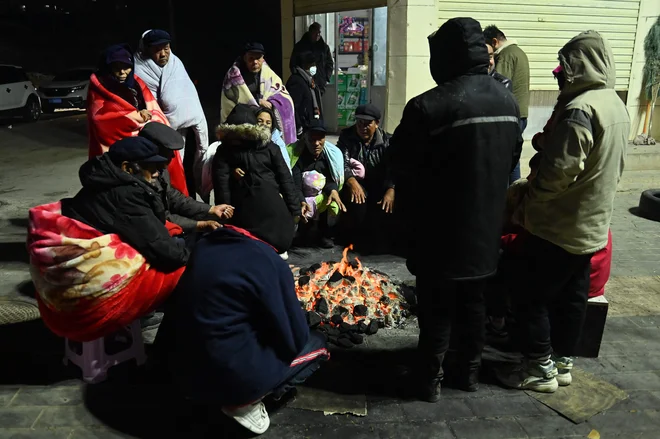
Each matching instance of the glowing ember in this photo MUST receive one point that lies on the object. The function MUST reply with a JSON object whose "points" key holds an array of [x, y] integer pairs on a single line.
{"points": [[349, 292]]}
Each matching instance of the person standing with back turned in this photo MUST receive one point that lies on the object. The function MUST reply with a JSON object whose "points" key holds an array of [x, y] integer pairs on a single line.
{"points": [[511, 62], [466, 128]]}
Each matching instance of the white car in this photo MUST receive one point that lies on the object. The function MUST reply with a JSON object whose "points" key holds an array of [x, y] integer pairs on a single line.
{"points": [[18, 96], [67, 90]]}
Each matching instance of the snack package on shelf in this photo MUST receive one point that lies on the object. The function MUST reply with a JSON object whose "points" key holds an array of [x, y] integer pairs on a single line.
{"points": [[341, 100]]}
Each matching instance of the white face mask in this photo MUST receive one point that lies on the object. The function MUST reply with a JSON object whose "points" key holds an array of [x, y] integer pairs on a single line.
{"points": [[312, 70]]}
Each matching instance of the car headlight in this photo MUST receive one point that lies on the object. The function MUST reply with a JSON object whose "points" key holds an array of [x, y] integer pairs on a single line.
{"points": [[77, 87]]}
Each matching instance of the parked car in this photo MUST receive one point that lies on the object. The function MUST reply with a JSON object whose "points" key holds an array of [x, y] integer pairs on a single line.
{"points": [[67, 90], [18, 96]]}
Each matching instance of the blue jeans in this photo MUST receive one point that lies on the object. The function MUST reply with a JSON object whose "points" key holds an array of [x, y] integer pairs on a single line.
{"points": [[515, 174], [307, 362]]}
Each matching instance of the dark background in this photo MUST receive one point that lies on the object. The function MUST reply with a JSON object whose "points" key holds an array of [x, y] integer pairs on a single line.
{"points": [[208, 35]]}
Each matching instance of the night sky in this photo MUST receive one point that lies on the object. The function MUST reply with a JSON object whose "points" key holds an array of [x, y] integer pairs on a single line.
{"points": [[208, 35]]}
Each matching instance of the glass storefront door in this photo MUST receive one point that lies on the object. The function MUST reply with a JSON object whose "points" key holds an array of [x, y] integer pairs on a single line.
{"points": [[358, 42]]}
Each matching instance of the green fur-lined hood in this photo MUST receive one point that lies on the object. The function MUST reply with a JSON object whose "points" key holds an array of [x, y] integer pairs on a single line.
{"points": [[243, 133]]}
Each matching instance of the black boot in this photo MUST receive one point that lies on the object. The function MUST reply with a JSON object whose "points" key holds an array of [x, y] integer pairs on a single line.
{"points": [[471, 384], [430, 375], [429, 390]]}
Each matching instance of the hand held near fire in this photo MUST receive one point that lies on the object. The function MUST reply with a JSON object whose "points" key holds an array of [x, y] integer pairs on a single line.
{"points": [[207, 226], [357, 192], [334, 196], [306, 211], [222, 211], [388, 201]]}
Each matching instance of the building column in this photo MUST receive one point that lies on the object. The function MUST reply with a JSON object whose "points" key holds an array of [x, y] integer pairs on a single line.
{"points": [[409, 23], [649, 10], [288, 36]]}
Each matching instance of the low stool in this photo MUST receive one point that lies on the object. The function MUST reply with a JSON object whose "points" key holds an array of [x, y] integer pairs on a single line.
{"points": [[95, 358], [593, 327]]}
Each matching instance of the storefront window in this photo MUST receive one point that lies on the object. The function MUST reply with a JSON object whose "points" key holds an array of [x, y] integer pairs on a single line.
{"points": [[379, 47]]}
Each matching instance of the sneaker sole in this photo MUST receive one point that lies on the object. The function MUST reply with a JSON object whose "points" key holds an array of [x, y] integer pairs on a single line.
{"points": [[549, 387], [564, 379], [247, 424]]}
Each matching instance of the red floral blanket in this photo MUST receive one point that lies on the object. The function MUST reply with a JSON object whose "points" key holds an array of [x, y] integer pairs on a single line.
{"points": [[89, 285], [110, 118]]}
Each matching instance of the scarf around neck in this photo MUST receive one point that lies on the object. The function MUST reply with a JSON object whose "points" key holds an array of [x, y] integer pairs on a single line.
{"points": [[310, 82]]}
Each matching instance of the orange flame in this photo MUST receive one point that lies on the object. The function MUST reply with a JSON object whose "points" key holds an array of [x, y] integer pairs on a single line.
{"points": [[357, 286]]}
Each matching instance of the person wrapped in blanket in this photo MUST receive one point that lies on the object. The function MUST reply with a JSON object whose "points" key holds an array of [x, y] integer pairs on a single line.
{"points": [[192, 216], [117, 75], [118, 196], [234, 333], [511, 244], [313, 153]]}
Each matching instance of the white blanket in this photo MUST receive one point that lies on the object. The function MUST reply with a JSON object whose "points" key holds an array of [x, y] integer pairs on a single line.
{"points": [[177, 96]]}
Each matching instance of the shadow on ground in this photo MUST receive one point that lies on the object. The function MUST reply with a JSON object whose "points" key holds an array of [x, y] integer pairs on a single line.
{"points": [[20, 222], [638, 213], [31, 355], [14, 252]]}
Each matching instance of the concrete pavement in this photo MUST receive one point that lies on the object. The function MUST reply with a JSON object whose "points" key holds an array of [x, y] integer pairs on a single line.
{"points": [[40, 398]]}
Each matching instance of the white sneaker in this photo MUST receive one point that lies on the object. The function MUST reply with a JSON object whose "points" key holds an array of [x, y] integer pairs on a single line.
{"points": [[284, 256], [254, 417], [563, 366], [538, 375]]}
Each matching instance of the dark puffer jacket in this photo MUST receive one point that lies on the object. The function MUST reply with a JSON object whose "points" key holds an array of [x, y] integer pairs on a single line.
{"points": [[180, 209], [114, 201], [249, 148], [455, 146]]}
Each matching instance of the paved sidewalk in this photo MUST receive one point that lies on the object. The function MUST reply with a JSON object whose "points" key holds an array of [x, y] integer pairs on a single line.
{"points": [[40, 398]]}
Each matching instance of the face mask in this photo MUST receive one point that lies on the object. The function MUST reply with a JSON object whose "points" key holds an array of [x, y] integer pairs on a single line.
{"points": [[312, 70]]}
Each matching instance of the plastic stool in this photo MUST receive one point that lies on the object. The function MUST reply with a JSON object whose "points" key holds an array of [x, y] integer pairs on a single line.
{"points": [[94, 360]]}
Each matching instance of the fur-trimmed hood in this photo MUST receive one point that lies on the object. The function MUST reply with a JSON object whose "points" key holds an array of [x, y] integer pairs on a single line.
{"points": [[244, 133]]}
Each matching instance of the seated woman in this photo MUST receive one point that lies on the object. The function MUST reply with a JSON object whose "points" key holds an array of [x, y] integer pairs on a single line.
{"points": [[106, 256], [119, 105], [313, 153], [251, 81], [266, 117], [248, 164]]}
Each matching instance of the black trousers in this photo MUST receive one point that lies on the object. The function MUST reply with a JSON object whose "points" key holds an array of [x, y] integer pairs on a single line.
{"points": [[550, 299], [499, 289], [447, 306]]}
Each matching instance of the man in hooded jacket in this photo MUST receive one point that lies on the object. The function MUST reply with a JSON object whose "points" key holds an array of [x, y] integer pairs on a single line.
{"points": [[567, 213], [464, 130]]}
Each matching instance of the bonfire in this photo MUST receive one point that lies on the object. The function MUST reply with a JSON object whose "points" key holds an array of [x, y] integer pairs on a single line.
{"points": [[348, 293]]}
